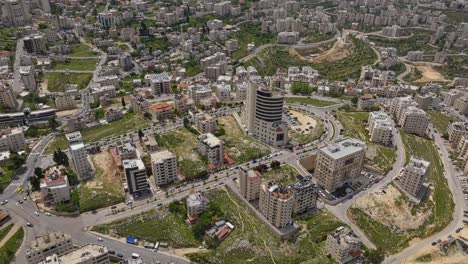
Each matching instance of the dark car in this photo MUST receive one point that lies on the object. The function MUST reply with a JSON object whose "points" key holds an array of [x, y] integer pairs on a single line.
{"points": [[120, 255], [434, 243]]}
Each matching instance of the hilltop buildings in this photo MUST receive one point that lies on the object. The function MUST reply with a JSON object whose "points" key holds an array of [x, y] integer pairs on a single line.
{"points": [[79, 156], [343, 245], [413, 176]]}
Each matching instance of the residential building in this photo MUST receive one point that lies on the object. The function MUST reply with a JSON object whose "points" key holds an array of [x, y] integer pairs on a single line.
{"points": [[113, 114], [305, 192], [64, 102], [111, 80], [205, 123], [380, 128], [87, 254], [414, 121], [413, 176], [135, 173], [55, 187], [159, 83], [456, 131], [249, 184], [461, 105], [451, 96], [263, 116], [366, 102], [28, 78], [424, 101], [196, 204], [276, 203], [213, 148], [48, 245], [223, 91], [35, 43], [7, 97], [223, 9], [164, 165], [81, 165], [15, 13], [339, 163], [12, 139], [127, 151], [161, 111], [343, 245]]}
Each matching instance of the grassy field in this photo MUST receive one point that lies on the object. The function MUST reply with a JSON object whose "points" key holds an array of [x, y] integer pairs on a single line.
{"points": [[310, 101], [4, 231], [239, 146], [7, 252], [302, 139], [250, 33], [285, 174], [260, 245], [8, 38], [129, 123], [153, 226], [349, 67], [76, 64], [59, 142], [184, 144], [156, 43], [6, 178], [440, 120], [455, 67], [354, 125], [419, 41], [58, 80], [316, 36], [82, 50]]}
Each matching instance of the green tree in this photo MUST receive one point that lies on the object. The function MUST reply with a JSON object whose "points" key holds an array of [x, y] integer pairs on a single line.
{"points": [[38, 172], [354, 100], [374, 256], [35, 183]]}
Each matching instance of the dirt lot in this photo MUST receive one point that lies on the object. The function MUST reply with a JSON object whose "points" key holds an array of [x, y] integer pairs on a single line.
{"points": [[67, 112], [339, 51], [392, 209], [430, 74], [306, 121], [107, 174]]}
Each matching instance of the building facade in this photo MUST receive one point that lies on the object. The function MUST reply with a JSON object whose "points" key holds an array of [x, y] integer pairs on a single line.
{"points": [[135, 173], [249, 184], [276, 204], [164, 164]]}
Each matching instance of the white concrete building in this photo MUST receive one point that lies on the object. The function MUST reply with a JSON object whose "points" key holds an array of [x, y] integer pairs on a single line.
{"points": [[55, 187], [87, 254], [414, 121], [135, 173], [276, 204], [205, 123], [196, 204], [249, 184], [64, 102], [15, 13], [7, 97], [48, 245], [28, 78], [305, 192], [164, 164], [343, 245], [380, 128], [79, 156], [413, 176], [213, 147], [12, 139]]}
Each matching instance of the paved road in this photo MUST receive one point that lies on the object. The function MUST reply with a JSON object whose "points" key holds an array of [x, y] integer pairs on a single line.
{"points": [[17, 84]]}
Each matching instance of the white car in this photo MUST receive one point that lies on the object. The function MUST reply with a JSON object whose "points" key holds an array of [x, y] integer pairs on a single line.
{"points": [[36, 213], [100, 239], [48, 214]]}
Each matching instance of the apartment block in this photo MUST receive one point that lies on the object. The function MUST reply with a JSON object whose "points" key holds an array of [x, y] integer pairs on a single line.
{"points": [[305, 192], [213, 147], [343, 245], [48, 245], [249, 184], [414, 121], [135, 173], [28, 77], [161, 111], [276, 203], [456, 131], [55, 187], [205, 123], [12, 139], [380, 128], [35, 43], [339, 163], [7, 97], [413, 176], [461, 105], [159, 83], [64, 102], [196, 204], [164, 164], [16, 13], [423, 100], [87, 254], [79, 156], [451, 96]]}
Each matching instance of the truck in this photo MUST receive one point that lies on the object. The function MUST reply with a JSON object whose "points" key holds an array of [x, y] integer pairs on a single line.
{"points": [[131, 240]]}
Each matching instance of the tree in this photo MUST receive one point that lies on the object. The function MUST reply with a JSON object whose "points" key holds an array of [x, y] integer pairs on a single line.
{"points": [[123, 102], [17, 160], [275, 164], [148, 116], [38, 172], [35, 183], [143, 29], [53, 122], [376, 256], [140, 134], [354, 100]]}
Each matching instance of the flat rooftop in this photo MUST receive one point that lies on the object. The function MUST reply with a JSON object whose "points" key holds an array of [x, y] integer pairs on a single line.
{"points": [[343, 148]]}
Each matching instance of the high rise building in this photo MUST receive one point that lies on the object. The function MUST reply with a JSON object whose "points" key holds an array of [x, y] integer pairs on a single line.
{"points": [[212, 147], [12, 139], [196, 204], [339, 163], [79, 156], [305, 192], [35, 43], [263, 116], [413, 176], [380, 128], [456, 131], [205, 123], [55, 187], [414, 120], [343, 245], [135, 173], [45, 6], [48, 245], [7, 97], [28, 77], [249, 184], [276, 204], [164, 165], [16, 13]]}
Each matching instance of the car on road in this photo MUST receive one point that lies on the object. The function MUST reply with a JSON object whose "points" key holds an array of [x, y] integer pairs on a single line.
{"points": [[24, 198], [29, 224], [48, 214], [36, 213], [159, 204], [100, 239], [434, 243], [120, 255], [4, 202], [111, 251], [458, 230], [20, 201]]}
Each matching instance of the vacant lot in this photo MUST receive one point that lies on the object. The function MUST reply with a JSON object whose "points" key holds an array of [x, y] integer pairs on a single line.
{"points": [[240, 147], [106, 188], [153, 226], [76, 64], [59, 142], [129, 123], [82, 50], [184, 144], [440, 120], [56, 81], [285, 174], [429, 74], [354, 125], [310, 101], [298, 134], [250, 33], [253, 242]]}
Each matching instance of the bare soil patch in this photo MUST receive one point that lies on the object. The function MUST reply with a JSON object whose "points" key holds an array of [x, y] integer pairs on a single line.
{"points": [[338, 51], [107, 173], [430, 74]]}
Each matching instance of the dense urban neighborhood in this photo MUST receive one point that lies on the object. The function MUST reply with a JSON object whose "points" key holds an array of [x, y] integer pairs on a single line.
{"points": [[233, 131]]}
